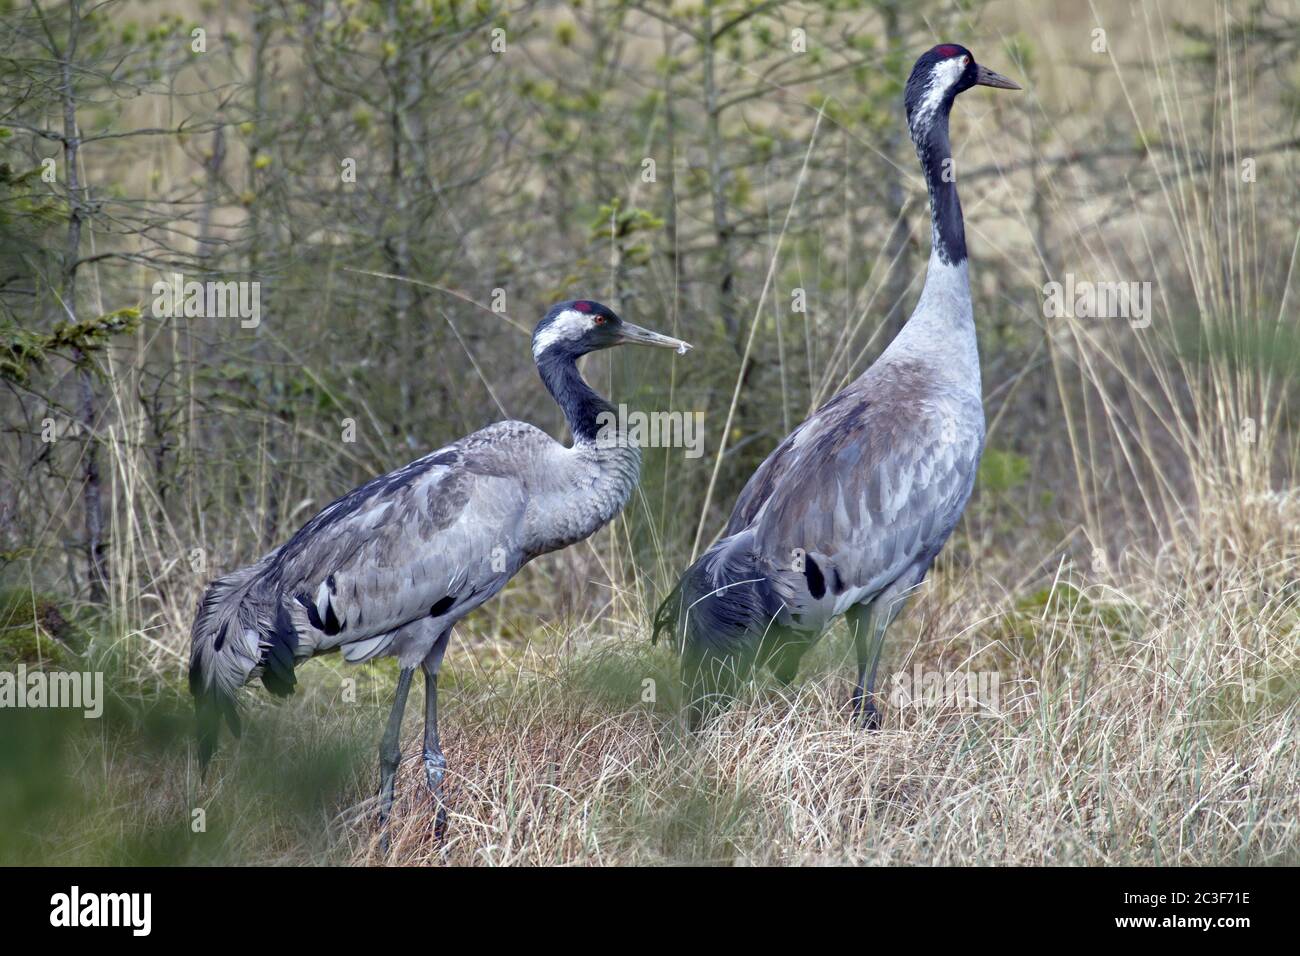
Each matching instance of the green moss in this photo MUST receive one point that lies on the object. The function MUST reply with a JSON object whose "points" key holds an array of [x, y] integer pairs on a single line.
{"points": [[1066, 604], [1002, 471], [35, 631]]}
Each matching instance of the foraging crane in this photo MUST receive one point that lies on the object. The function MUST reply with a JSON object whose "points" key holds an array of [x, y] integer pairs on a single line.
{"points": [[848, 513], [389, 568]]}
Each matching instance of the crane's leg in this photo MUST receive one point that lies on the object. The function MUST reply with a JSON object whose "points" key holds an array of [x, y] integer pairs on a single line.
{"points": [[868, 629], [435, 764], [390, 753], [868, 623]]}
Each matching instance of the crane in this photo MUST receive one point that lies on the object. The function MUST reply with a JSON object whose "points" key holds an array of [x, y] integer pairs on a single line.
{"points": [[389, 568], [846, 516]]}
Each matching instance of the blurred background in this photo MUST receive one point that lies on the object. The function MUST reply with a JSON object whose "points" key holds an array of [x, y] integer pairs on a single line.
{"points": [[413, 182]]}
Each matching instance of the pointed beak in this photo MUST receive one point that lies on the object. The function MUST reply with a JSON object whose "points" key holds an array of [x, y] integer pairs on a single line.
{"points": [[986, 77], [636, 335]]}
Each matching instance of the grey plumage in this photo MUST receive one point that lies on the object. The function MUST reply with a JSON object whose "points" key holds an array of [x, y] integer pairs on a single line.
{"points": [[848, 513], [389, 568]]}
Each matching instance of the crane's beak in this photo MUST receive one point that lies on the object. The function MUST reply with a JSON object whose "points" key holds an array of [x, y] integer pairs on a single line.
{"points": [[636, 335], [986, 77]]}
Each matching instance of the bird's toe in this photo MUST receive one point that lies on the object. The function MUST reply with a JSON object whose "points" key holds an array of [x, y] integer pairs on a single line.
{"points": [[870, 717]]}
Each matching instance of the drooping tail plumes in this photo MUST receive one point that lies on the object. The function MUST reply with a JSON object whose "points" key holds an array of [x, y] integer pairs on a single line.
{"points": [[718, 615], [240, 626]]}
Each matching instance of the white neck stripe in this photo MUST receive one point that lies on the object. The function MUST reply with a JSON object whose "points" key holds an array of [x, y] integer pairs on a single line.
{"points": [[569, 324]]}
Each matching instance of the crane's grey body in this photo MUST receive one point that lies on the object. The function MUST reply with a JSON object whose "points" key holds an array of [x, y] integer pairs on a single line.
{"points": [[847, 515], [432, 540], [868, 488], [388, 569]]}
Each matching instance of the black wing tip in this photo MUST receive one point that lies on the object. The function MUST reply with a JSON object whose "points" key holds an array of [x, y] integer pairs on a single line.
{"points": [[669, 613], [278, 656], [664, 618], [279, 679]]}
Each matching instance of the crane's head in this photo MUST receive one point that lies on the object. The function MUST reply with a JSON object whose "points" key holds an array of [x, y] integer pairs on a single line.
{"points": [[579, 326], [939, 75]]}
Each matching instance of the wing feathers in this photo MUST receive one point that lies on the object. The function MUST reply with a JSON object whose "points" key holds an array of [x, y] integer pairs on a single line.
{"points": [[869, 485], [431, 538]]}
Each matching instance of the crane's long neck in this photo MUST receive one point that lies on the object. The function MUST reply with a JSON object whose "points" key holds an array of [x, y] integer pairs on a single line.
{"points": [[942, 328], [581, 404], [947, 230], [584, 487]]}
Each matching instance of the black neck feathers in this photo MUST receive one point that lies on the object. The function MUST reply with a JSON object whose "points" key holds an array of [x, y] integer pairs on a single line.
{"points": [[935, 152], [579, 401]]}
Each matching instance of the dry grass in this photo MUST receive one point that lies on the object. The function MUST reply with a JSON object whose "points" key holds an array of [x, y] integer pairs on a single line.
{"points": [[1167, 739], [1151, 727]]}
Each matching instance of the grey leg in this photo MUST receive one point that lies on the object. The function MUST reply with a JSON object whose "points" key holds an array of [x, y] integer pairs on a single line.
{"points": [[435, 764], [390, 752], [868, 640]]}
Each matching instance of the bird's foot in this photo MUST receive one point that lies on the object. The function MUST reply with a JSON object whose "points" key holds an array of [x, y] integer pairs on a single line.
{"points": [[865, 713], [870, 717], [435, 771], [387, 788], [384, 830], [382, 822]]}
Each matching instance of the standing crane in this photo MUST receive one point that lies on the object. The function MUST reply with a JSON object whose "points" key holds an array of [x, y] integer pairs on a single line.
{"points": [[389, 568], [849, 512]]}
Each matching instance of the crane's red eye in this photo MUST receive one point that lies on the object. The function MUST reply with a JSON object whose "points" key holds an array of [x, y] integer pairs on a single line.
{"points": [[599, 320]]}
